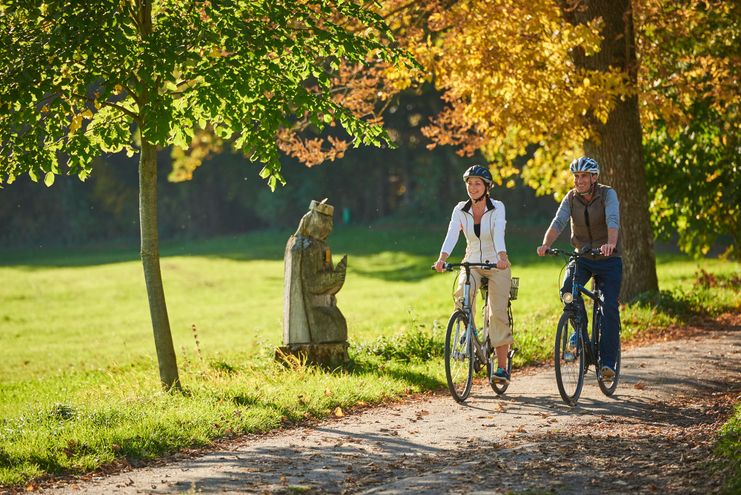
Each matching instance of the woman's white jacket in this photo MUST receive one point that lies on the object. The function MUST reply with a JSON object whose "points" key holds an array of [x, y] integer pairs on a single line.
{"points": [[481, 249]]}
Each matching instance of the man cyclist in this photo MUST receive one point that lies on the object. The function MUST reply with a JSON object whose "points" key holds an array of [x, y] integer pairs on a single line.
{"points": [[593, 210]]}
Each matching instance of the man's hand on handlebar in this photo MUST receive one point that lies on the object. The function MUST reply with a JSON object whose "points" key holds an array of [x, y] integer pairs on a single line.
{"points": [[607, 249], [575, 254], [439, 266], [543, 250]]}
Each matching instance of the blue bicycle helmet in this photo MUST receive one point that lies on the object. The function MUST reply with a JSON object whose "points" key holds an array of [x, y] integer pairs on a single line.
{"points": [[584, 164], [480, 172]]}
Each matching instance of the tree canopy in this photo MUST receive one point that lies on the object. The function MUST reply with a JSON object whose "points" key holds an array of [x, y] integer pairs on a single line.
{"points": [[689, 79], [541, 80], [78, 79], [511, 84]]}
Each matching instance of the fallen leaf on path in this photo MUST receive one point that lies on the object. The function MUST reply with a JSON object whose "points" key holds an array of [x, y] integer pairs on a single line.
{"points": [[639, 386]]}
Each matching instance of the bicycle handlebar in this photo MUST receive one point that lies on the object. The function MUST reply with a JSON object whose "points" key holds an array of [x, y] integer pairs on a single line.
{"points": [[574, 254], [448, 267]]}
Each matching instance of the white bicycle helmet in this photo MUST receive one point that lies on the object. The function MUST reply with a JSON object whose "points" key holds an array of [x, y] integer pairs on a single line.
{"points": [[584, 164]]}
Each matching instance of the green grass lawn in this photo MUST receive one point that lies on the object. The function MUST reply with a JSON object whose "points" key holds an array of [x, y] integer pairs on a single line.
{"points": [[79, 385]]}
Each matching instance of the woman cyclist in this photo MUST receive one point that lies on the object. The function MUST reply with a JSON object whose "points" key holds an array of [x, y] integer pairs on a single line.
{"points": [[482, 221]]}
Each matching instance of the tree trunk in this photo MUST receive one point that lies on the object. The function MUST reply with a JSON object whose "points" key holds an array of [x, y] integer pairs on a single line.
{"points": [[619, 149], [151, 260]]}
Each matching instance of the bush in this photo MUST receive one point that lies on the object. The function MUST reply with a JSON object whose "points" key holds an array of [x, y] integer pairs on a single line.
{"points": [[412, 345], [729, 448]]}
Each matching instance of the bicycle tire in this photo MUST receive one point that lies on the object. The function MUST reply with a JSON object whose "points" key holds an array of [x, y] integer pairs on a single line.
{"points": [[501, 388], [569, 374], [458, 357], [606, 389]]}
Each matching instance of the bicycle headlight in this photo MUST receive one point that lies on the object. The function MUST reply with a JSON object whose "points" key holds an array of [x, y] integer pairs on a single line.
{"points": [[567, 297]]}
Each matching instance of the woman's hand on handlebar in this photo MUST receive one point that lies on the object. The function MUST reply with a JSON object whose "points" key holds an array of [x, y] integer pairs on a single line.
{"points": [[439, 266], [543, 250]]}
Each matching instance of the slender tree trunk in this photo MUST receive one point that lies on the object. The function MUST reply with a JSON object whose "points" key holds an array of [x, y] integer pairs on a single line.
{"points": [[151, 261], [619, 149]]}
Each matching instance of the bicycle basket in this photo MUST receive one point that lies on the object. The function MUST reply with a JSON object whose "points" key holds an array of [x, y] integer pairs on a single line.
{"points": [[513, 288]]}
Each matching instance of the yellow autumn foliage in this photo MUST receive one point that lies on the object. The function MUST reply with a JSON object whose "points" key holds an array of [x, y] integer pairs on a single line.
{"points": [[507, 73]]}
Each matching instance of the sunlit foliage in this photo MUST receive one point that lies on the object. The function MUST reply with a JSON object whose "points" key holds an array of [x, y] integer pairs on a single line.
{"points": [[83, 78]]}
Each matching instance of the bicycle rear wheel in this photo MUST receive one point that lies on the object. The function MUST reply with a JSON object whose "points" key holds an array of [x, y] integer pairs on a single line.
{"points": [[608, 387], [492, 362], [458, 357], [569, 369], [491, 368]]}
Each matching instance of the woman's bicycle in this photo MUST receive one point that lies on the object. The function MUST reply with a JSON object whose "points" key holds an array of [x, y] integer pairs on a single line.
{"points": [[575, 350], [465, 351]]}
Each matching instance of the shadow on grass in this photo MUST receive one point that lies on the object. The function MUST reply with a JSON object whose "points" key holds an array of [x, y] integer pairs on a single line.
{"points": [[683, 304], [398, 371]]}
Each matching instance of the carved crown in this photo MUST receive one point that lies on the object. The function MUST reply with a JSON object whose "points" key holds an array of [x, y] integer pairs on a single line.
{"points": [[321, 207]]}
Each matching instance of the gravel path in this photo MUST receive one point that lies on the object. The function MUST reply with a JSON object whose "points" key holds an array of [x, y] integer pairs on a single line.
{"points": [[654, 436]]}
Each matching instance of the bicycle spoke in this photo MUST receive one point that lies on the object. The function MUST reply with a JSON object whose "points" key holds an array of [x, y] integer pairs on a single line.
{"points": [[568, 361]]}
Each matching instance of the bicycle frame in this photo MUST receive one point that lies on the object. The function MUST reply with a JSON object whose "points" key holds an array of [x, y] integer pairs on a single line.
{"points": [[574, 315], [471, 327], [479, 349], [575, 310], [463, 348]]}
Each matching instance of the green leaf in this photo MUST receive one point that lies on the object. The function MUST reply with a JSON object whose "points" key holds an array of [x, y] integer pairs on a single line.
{"points": [[49, 179], [246, 72]]}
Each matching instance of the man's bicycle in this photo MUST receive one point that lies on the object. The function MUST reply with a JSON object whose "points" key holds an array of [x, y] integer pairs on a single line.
{"points": [[466, 349], [575, 350]]}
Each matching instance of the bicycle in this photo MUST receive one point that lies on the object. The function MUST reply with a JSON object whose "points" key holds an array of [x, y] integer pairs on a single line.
{"points": [[570, 362], [465, 353]]}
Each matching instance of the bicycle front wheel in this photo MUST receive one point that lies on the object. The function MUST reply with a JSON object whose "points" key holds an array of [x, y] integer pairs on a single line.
{"points": [[458, 357], [569, 361]]}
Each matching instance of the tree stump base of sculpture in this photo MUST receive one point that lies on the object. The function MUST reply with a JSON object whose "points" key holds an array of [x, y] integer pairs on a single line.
{"points": [[328, 355]]}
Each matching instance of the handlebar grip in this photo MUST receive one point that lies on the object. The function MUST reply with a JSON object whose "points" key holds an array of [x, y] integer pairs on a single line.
{"points": [[446, 267]]}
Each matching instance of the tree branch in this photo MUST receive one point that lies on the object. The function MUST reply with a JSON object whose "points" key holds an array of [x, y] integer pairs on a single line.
{"points": [[125, 110]]}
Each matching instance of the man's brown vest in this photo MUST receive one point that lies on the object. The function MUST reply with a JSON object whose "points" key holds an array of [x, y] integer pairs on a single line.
{"points": [[588, 222]]}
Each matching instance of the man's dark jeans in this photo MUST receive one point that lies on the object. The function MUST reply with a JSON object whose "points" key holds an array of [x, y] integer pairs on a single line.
{"points": [[609, 273]]}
